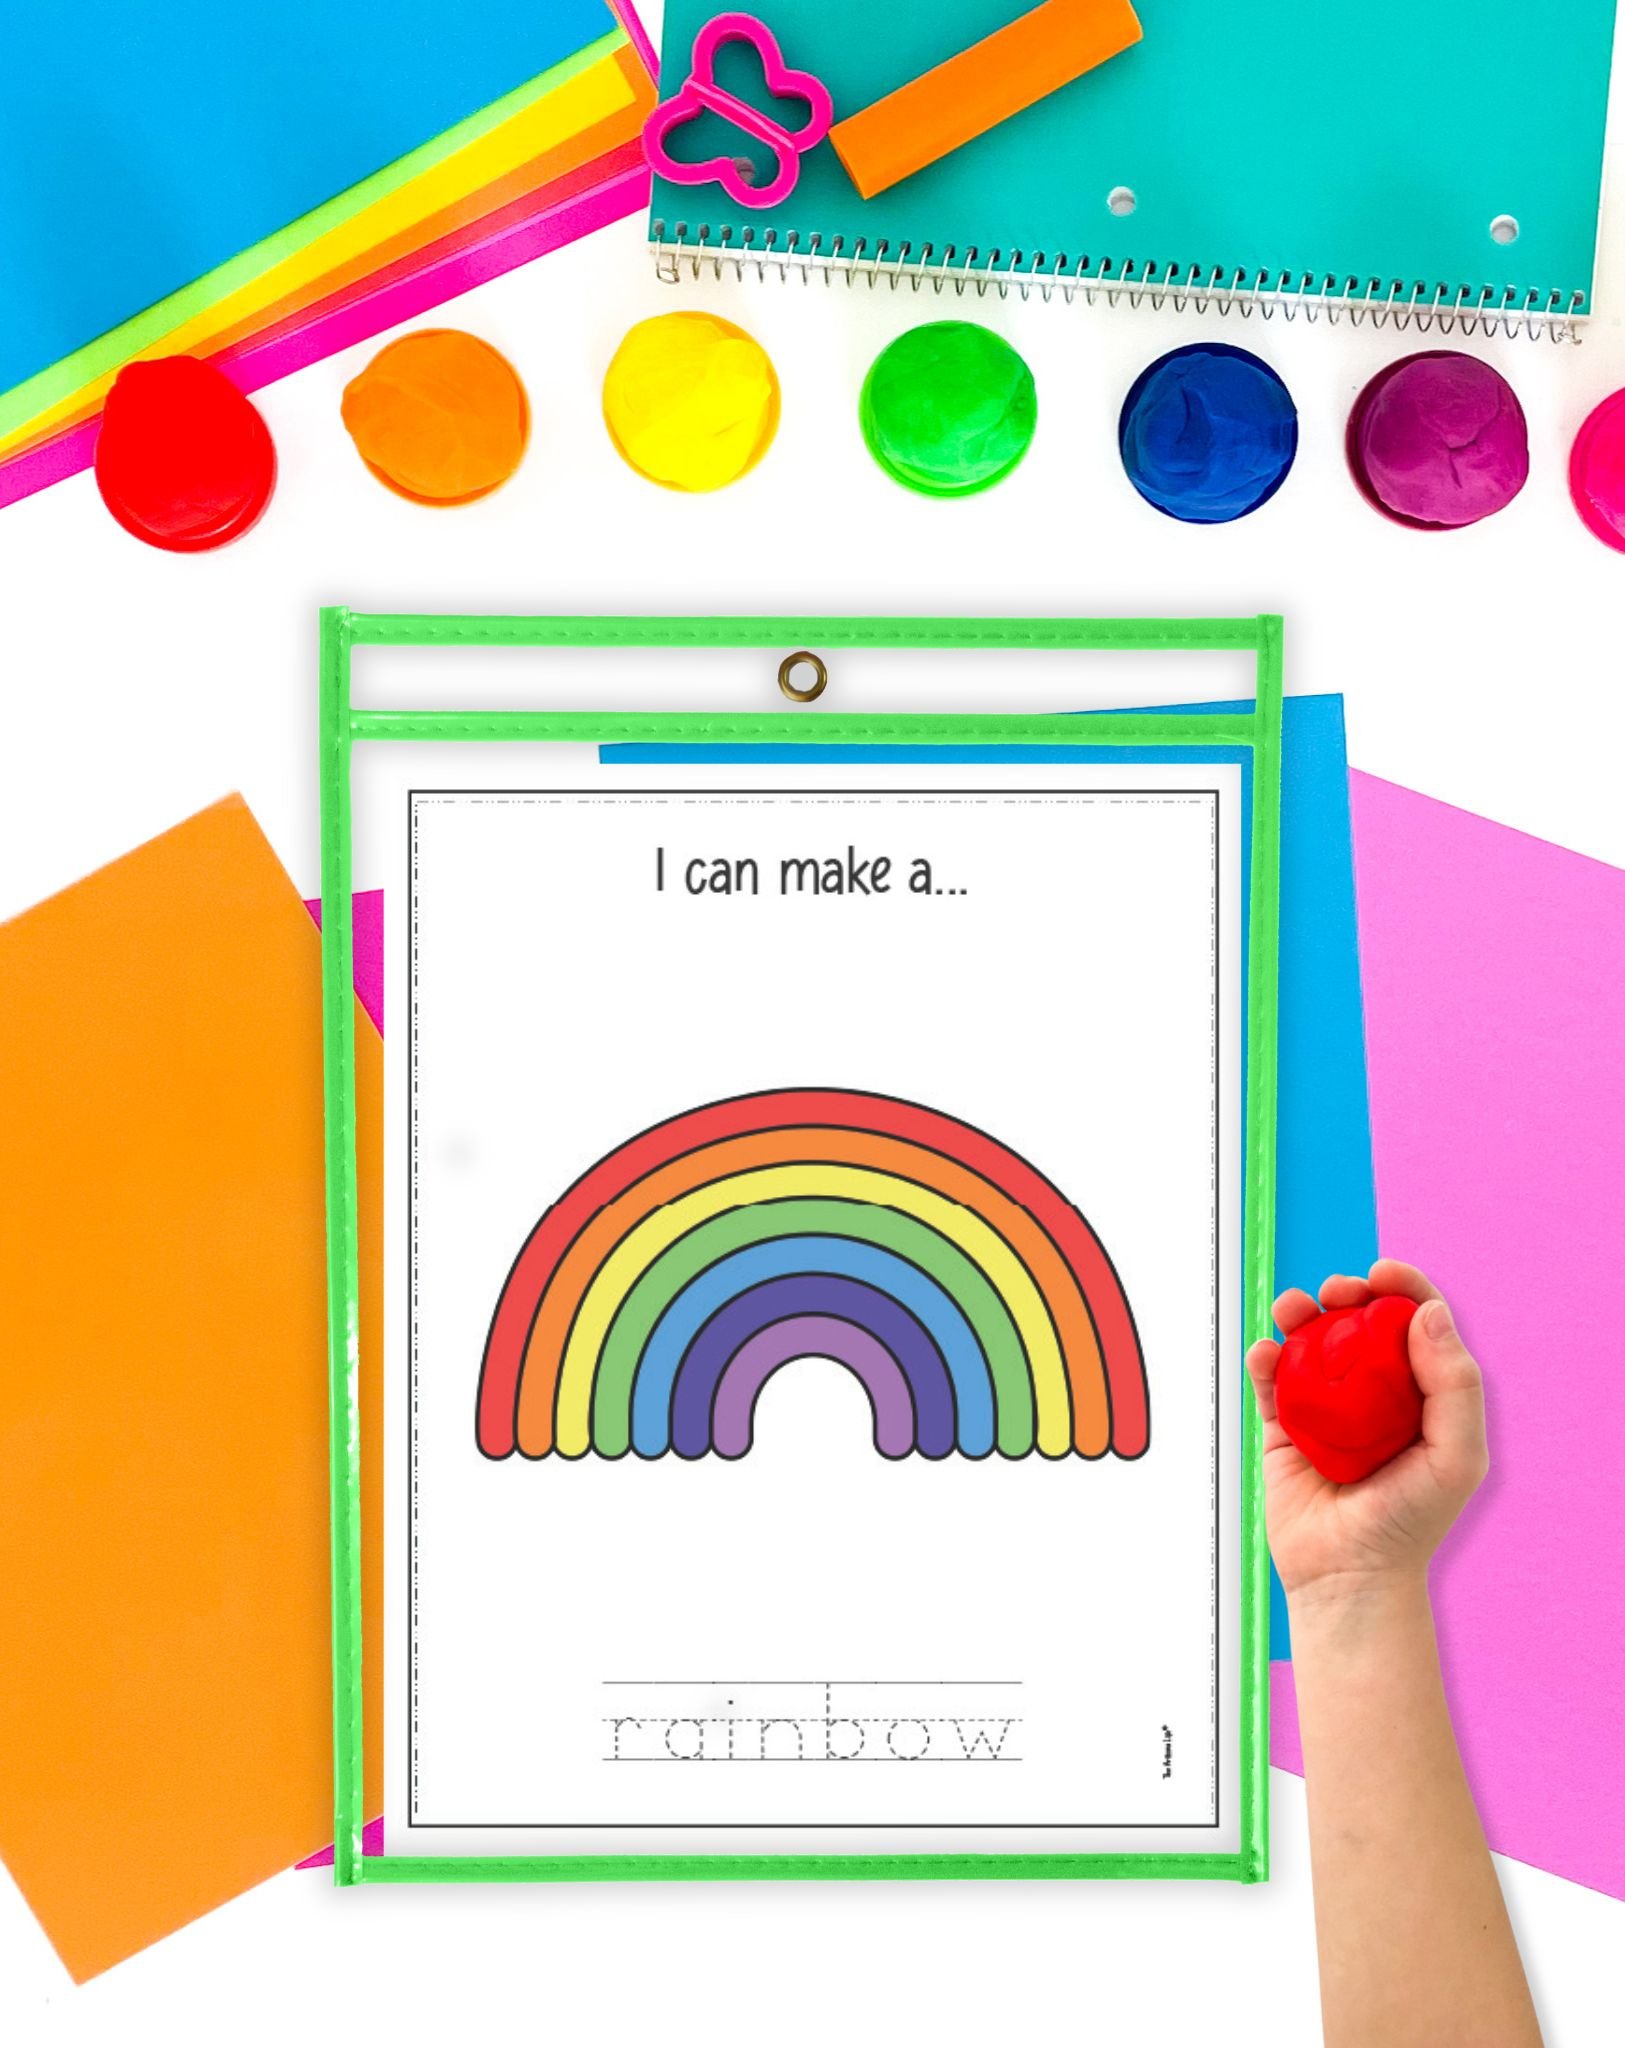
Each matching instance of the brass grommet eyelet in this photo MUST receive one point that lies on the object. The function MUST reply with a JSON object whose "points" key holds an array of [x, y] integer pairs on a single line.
{"points": [[803, 658]]}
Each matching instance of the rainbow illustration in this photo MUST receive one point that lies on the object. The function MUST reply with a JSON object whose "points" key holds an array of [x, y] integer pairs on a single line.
{"points": [[653, 1301]]}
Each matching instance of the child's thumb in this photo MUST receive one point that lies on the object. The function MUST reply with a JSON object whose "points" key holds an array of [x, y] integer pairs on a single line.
{"points": [[1452, 1397]]}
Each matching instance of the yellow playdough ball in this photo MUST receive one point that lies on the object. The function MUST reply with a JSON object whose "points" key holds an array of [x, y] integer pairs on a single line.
{"points": [[691, 401]]}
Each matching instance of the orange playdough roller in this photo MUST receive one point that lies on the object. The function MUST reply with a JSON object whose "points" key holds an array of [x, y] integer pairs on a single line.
{"points": [[993, 80]]}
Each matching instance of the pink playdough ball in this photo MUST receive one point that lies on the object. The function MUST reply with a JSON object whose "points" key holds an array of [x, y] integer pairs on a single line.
{"points": [[1597, 472]]}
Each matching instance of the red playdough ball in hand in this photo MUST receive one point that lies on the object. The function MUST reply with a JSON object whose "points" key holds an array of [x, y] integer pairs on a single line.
{"points": [[1343, 1388]]}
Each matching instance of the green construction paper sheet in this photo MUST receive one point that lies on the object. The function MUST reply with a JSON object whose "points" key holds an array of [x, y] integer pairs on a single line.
{"points": [[1358, 152], [485, 772], [215, 232]]}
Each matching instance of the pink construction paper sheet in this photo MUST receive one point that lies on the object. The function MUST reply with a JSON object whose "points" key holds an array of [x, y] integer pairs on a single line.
{"points": [[372, 1844], [1494, 969], [367, 945]]}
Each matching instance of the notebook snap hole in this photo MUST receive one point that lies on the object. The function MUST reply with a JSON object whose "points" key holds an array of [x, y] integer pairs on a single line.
{"points": [[1121, 200], [1504, 228]]}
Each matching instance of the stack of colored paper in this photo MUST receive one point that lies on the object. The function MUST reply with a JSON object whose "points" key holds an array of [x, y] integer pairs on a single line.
{"points": [[264, 186]]}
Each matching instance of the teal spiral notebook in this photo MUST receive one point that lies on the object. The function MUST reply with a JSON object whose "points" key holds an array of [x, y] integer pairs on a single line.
{"points": [[1400, 157]]}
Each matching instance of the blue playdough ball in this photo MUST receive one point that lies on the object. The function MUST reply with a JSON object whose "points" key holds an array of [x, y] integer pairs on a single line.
{"points": [[1208, 433]]}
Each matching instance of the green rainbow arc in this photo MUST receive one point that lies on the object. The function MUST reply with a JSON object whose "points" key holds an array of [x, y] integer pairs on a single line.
{"points": [[864, 1222]]}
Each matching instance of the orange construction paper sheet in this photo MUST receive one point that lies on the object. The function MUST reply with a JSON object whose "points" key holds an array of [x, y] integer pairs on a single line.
{"points": [[165, 1683]]}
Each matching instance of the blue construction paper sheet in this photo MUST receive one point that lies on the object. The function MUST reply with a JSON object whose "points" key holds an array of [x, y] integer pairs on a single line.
{"points": [[1346, 148], [1326, 1207], [142, 145]]}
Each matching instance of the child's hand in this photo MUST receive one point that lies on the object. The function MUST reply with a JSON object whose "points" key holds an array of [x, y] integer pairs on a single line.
{"points": [[1386, 1526]]}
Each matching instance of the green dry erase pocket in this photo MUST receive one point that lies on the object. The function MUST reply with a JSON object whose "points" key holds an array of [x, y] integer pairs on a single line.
{"points": [[826, 1205]]}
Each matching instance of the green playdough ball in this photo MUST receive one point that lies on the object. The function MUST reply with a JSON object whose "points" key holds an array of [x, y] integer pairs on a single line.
{"points": [[948, 408]]}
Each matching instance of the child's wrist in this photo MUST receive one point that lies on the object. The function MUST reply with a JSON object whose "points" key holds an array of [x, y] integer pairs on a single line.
{"points": [[1339, 1596], [1345, 1620]]}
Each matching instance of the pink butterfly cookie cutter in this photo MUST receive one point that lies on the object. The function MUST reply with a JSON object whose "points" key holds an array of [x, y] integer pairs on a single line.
{"points": [[699, 93]]}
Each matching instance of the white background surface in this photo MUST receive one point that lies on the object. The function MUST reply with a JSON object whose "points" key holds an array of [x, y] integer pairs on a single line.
{"points": [[135, 687]]}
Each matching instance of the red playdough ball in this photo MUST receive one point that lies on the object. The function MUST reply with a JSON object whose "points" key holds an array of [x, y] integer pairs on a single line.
{"points": [[183, 461], [1344, 1391]]}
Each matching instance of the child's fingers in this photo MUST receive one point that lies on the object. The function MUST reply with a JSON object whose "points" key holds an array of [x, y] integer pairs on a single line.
{"points": [[1343, 1290], [1452, 1397], [1262, 1360], [1293, 1309], [1393, 1276]]}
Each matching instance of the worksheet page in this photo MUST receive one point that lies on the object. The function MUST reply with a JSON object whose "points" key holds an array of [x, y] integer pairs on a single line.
{"points": [[812, 1351]]}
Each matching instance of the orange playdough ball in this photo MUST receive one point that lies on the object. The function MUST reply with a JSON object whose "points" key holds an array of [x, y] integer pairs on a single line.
{"points": [[439, 416]]}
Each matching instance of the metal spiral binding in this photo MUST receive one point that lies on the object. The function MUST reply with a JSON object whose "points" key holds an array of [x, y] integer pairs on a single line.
{"points": [[1532, 314]]}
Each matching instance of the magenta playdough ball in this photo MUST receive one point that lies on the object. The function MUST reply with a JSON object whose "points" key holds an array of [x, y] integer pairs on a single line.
{"points": [[1439, 440]]}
